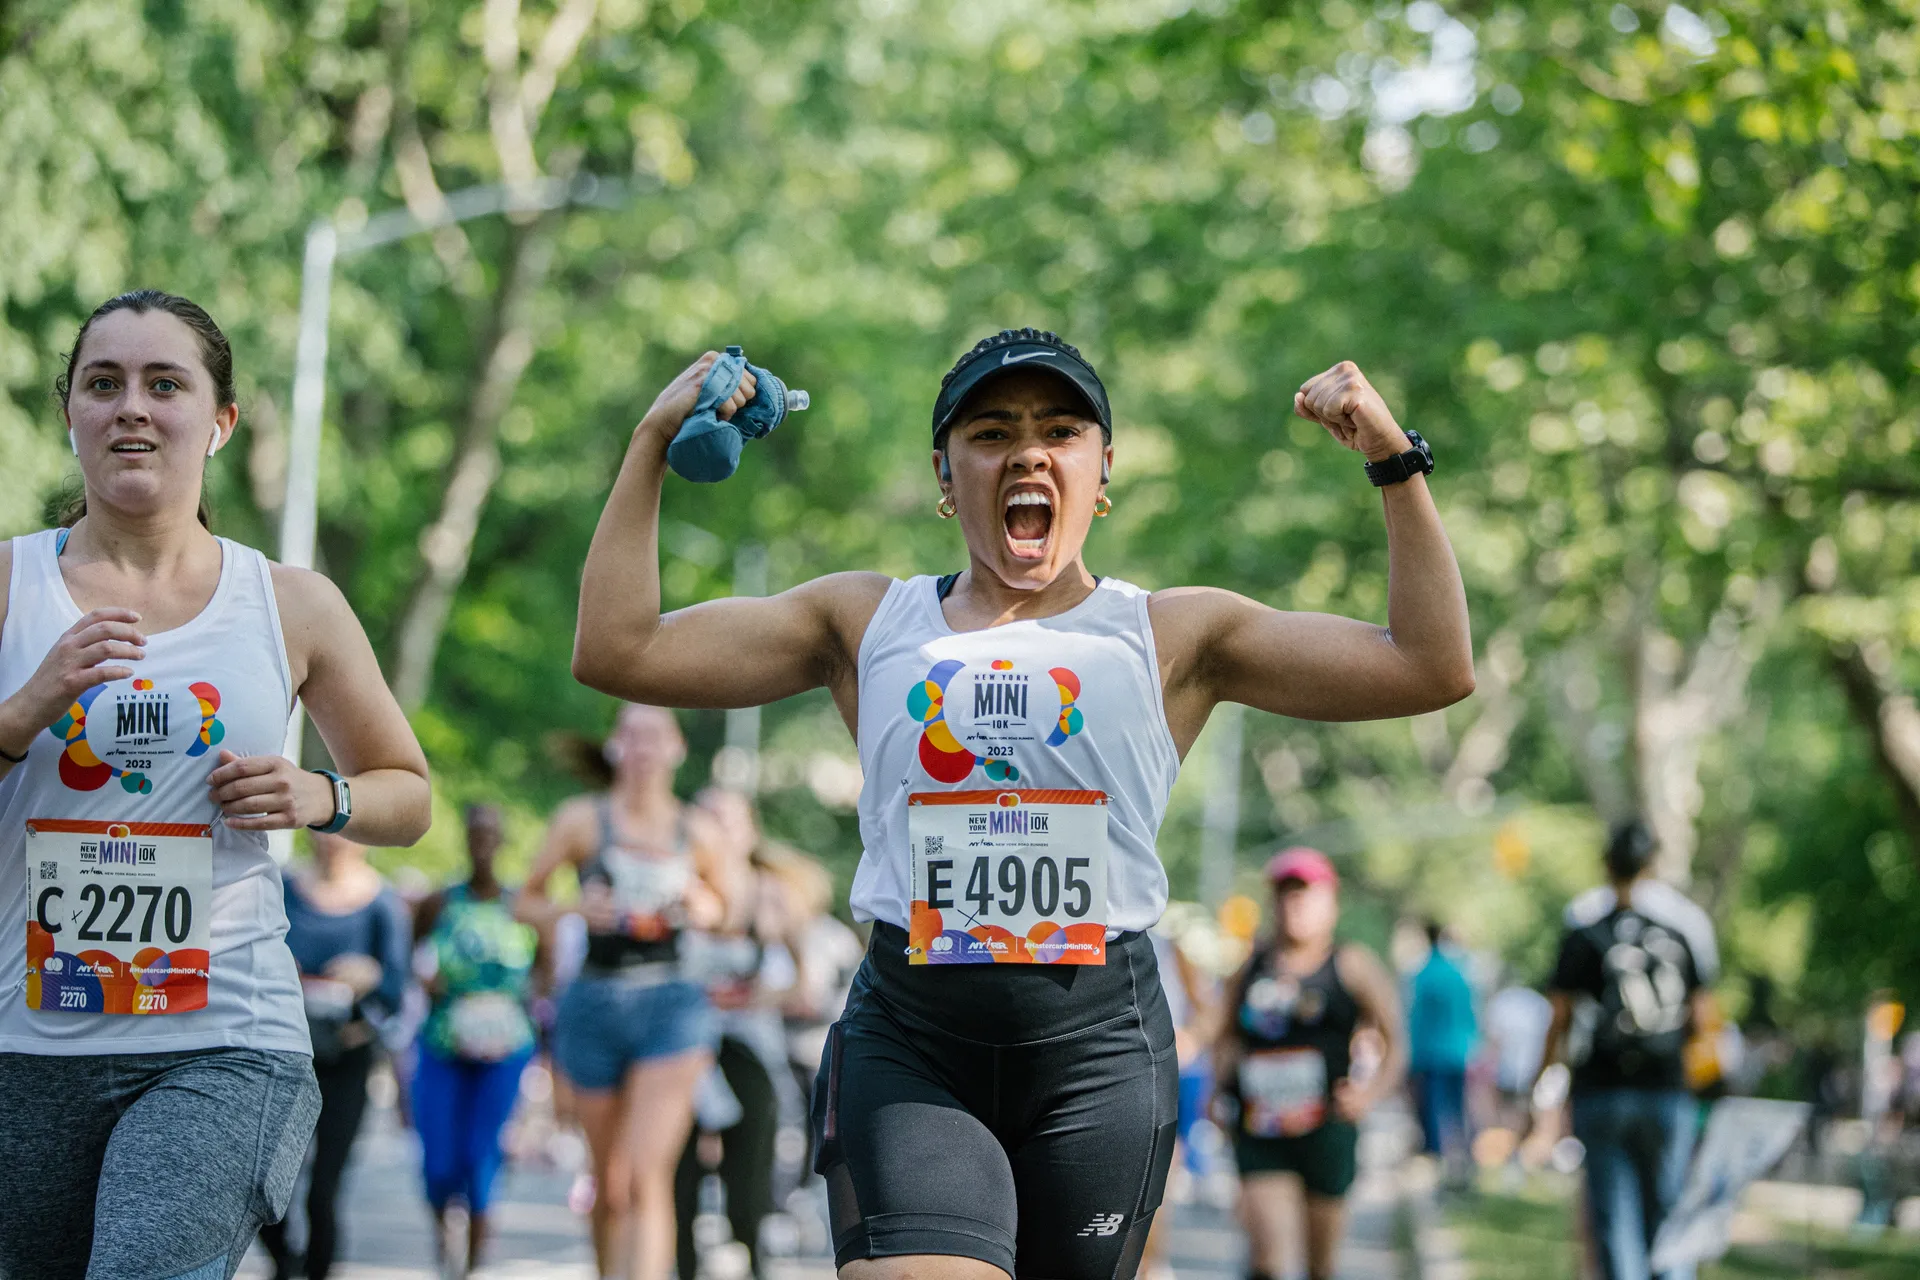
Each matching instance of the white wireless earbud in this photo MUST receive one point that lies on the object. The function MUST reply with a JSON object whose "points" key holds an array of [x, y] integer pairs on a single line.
{"points": [[213, 445], [72, 442]]}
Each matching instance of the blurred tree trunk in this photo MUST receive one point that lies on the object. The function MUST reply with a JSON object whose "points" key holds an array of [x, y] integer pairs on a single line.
{"points": [[517, 95], [446, 545], [1892, 720], [1573, 694], [1678, 704], [1503, 705]]}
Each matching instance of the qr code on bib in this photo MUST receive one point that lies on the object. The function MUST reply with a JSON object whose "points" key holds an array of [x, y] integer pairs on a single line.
{"points": [[936, 845], [49, 871]]}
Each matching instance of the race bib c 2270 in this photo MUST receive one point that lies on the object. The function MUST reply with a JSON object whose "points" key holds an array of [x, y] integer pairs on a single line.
{"points": [[1008, 877], [118, 916]]}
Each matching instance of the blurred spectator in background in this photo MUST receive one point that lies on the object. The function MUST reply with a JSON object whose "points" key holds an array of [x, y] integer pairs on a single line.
{"points": [[1629, 986], [826, 956], [1517, 1018], [350, 935], [1442, 1033], [748, 965]]}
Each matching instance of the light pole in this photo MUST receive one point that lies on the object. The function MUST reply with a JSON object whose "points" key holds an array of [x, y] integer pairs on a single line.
{"points": [[327, 244]]}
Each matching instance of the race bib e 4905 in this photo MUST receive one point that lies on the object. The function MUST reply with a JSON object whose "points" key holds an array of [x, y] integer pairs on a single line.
{"points": [[1008, 877], [118, 916]]}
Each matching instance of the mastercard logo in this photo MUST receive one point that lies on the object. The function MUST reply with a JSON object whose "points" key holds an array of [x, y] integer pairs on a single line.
{"points": [[119, 831], [1007, 799], [1002, 665], [143, 685]]}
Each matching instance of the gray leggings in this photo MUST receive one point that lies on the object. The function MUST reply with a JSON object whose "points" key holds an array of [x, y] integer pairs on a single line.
{"points": [[152, 1166]]}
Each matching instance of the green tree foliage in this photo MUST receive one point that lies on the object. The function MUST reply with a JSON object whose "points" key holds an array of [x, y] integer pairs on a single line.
{"points": [[1645, 275]]}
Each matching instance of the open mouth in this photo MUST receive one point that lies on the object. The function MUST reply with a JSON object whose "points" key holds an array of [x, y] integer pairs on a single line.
{"points": [[131, 446], [1029, 520]]}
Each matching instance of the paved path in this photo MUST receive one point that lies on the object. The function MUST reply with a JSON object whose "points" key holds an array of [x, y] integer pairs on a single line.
{"points": [[387, 1233]]}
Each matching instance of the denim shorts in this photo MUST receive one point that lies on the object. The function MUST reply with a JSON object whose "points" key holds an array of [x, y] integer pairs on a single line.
{"points": [[608, 1022]]}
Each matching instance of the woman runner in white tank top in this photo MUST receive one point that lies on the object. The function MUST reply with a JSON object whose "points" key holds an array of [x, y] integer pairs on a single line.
{"points": [[999, 1096], [156, 1088]]}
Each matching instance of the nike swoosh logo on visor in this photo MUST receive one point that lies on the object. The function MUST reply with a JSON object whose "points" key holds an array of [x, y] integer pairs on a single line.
{"points": [[1011, 358]]}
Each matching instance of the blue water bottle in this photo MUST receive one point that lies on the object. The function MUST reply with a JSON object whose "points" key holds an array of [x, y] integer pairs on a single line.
{"points": [[707, 447]]}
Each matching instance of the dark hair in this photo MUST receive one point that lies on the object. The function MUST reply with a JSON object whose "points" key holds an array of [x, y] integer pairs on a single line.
{"points": [[215, 353], [1630, 848], [1007, 338], [1434, 931], [584, 757]]}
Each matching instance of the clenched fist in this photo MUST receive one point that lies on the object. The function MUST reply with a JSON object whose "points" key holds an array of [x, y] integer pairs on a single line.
{"points": [[1345, 403], [676, 400]]}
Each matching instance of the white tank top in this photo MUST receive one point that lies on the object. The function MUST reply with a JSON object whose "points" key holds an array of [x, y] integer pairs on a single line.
{"points": [[1120, 745], [232, 648]]}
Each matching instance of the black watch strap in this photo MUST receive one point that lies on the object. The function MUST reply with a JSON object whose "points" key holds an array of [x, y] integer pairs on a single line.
{"points": [[342, 803], [1417, 461]]}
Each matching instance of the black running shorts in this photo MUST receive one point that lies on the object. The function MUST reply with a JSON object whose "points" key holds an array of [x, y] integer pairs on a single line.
{"points": [[1324, 1158], [1018, 1114]]}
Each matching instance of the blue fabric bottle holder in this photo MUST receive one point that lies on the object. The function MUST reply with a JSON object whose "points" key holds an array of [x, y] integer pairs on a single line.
{"points": [[707, 447]]}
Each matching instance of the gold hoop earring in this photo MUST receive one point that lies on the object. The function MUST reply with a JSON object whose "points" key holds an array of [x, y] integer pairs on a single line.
{"points": [[946, 509], [1102, 505]]}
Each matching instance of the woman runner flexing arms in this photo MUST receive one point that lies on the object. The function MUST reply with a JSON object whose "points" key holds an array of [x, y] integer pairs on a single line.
{"points": [[1020, 724], [156, 1087]]}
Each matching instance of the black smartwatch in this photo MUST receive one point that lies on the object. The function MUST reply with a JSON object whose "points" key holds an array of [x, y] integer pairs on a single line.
{"points": [[342, 803], [1417, 461]]}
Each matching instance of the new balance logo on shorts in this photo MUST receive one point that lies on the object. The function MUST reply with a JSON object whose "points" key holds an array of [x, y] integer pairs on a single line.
{"points": [[1103, 1224]]}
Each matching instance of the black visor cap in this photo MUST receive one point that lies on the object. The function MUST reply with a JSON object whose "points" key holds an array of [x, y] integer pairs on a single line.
{"points": [[994, 361]]}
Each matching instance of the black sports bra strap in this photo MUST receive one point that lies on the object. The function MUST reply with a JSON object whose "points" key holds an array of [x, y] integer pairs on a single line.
{"points": [[603, 810]]}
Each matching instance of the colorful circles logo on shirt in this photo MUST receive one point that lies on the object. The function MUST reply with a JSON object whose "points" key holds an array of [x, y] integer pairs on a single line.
{"points": [[1071, 721], [987, 716], [122, 730]]}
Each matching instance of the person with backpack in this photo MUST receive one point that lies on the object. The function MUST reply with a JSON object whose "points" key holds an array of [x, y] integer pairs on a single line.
{"points": [[1636, 959]]}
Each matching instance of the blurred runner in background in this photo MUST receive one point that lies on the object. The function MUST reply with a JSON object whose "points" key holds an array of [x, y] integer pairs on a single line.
{"points": [[748, 965], [827, 955], [477, 1040], [633, 1033], [350, 935], [1442, 1032], [1285, 1058], [1627, 990], [1517, 1018]]}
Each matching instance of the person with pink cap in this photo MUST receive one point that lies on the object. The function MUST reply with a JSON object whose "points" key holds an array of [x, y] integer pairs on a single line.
{"points": [[1285, 1056]]}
